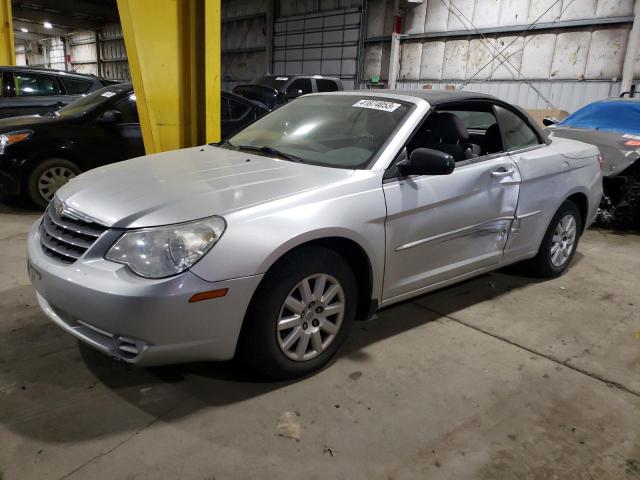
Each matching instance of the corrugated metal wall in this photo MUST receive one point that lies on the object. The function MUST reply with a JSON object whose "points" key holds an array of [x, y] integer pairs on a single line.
{"points": [[244, 40], [581, 45]]}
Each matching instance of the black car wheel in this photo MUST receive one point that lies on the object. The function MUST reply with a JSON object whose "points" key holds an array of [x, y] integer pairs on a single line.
{"points": [[301, 314], [47, 177]]}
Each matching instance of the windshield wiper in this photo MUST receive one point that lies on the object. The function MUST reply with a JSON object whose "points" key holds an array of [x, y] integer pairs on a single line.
{"points": [[268, 150]]}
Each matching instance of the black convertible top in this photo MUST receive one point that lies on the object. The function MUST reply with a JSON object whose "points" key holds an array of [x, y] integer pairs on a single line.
{"points": [[437, 97], [440, 97]]}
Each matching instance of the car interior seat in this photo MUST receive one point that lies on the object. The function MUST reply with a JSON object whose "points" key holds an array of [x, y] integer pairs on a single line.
{"points": [[492, 140]]}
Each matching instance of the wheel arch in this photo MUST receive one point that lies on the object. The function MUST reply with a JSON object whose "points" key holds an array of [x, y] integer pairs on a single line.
{"points": [[354, 254], [581, 200]]}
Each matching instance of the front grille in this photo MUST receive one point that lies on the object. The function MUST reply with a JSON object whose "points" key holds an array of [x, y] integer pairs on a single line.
{"points": [[66, 239]]}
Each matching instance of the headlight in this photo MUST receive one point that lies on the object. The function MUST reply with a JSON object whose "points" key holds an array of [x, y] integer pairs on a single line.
{"points": [[166, 251], [10, 138]]}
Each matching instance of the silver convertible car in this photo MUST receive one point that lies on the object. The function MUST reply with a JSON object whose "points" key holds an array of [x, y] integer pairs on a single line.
{"points": [[271, 244]]}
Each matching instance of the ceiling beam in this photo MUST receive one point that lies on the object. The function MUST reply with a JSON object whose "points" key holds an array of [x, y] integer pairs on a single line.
{"points": [[60, 21], [38, 28], [28, 36], [106, 11]]}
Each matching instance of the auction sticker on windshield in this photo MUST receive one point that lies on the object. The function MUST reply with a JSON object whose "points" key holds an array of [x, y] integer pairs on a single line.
{"points": [[377, 105]]}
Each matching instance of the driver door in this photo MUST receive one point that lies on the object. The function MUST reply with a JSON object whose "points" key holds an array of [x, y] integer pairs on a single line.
{"points": [[441, 227]]}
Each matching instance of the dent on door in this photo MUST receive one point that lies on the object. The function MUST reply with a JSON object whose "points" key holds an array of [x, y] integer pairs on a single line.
{"points": [[440, 227]]}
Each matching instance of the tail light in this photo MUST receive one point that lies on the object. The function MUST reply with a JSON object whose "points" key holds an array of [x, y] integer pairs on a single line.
{"points": [[601, 162]]}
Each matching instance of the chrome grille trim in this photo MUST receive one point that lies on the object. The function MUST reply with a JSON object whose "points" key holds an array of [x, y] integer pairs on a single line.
{"points": [[66, 239]]}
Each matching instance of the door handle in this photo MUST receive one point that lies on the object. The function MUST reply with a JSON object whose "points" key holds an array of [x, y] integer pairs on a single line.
{"points": [[503, 173]]}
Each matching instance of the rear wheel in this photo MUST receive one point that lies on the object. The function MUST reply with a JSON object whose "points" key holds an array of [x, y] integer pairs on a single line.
{"points": [[301, 314], [560, 242], [47, 177]]}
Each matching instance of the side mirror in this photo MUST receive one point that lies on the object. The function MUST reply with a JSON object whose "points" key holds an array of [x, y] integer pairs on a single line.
{"points": [[109, 117], [425, 161], [548, 121], [294, 93]]}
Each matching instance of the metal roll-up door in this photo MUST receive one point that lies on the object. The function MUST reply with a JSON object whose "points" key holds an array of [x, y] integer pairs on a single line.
{"points": [[323, 43]]}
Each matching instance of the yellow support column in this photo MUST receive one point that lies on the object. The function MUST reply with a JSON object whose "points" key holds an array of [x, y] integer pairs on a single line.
{"points": [[173, 48], [7, 51]]}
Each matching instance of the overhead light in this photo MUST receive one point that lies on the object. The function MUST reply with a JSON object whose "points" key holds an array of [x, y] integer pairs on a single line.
{"points": [[24, 30], [47, 25]]}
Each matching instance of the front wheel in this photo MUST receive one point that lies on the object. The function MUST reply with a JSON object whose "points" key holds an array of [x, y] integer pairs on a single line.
{"points": [[301, 314], [560, 242]]}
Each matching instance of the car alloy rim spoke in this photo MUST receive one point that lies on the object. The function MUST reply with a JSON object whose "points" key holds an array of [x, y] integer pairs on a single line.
{"points": [[563, 240], [303, 343], [292, 337], [328, 327], [310, 317], [288, 322], [294, 305]]}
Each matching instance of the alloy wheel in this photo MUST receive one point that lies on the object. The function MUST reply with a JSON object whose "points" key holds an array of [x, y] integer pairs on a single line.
{"points": [[563, 240], [310, 317]]}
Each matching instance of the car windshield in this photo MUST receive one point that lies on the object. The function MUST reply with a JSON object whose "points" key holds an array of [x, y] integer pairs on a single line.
{"points": [[91, 101], [614, 116], [343, 131]]}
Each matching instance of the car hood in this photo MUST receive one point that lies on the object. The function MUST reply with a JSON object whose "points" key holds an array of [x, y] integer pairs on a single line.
{"points": [[188, 184], [618, 149], [26, 121]]}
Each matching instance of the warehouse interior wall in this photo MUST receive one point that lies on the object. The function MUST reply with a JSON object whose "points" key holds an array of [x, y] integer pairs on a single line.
{"points": [[572, 56], [536, 53], [101, 52]]}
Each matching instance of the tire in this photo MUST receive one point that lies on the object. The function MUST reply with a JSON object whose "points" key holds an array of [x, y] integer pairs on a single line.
{"points": [[276, 351], [54, 172], [559, 243]]}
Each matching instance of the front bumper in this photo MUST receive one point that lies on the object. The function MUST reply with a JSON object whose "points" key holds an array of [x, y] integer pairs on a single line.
{"points": [[141, 321], [11, 174]]}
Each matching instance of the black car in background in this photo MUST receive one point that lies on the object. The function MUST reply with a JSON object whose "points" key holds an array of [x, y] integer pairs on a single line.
{"points": [[28, 90], [276, 90], [40, 153]]}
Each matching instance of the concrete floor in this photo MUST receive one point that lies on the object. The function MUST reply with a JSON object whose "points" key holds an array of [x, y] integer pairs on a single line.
{"points": [[501, 377]]}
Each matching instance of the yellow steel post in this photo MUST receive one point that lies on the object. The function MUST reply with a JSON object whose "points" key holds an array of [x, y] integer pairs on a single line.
{"points": [[7, 51], [213, 67], [173, 48]]}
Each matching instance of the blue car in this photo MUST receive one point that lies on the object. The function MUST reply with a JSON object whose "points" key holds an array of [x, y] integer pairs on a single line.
{"points": [[613, 125]]}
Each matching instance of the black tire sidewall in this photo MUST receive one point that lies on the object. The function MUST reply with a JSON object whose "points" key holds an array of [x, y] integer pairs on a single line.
{"points": [[543, 261], [259, 343], [34, 177]]}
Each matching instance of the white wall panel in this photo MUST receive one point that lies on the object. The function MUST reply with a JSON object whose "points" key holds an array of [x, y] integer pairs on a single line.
{"points": [[538, 55], [415, 18], [513, 12], [410, 61], [484, 13], [432, 60], [507, 65], [460, 14], [544, 11], [437, 16], [456, 53], [578, 9], [614, 8], [570, 56], [606, 53], [480, 62]]}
